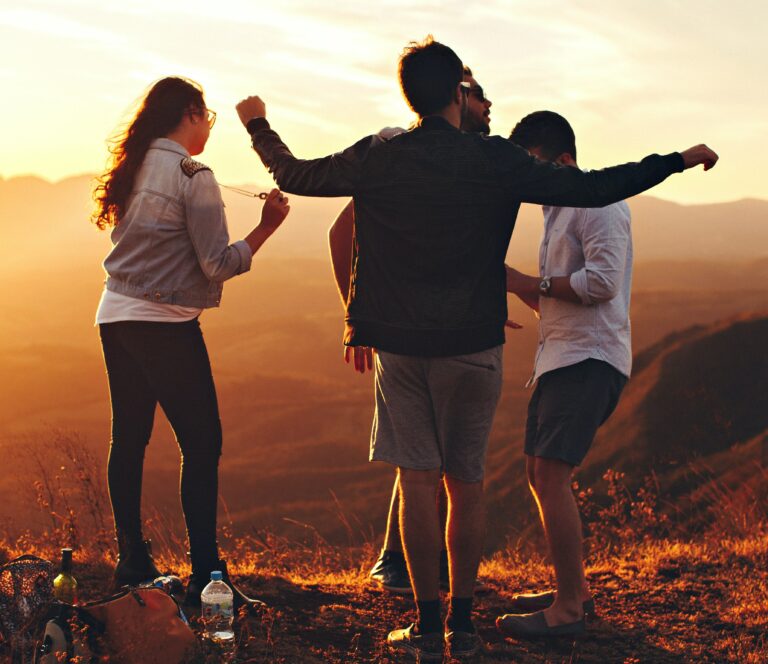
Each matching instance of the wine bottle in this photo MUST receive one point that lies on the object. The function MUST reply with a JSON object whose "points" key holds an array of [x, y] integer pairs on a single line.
{"points": [[65, 585]]}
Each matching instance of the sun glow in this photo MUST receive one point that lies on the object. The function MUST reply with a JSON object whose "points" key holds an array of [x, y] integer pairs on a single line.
{"points": [[631, 80]]}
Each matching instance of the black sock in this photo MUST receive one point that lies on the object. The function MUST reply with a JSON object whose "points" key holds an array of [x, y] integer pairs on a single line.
{"points": [[429, 617], [460, 615]]}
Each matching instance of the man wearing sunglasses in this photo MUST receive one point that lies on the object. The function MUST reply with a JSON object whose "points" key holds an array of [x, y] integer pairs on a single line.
{"points": [[434, 212], [390, 570]]}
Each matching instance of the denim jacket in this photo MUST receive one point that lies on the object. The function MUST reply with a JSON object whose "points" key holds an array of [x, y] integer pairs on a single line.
{"points": [[434, 211], [172, 243]]}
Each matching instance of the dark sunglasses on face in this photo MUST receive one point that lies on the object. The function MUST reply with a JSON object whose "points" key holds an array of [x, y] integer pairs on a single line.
{"points": [[476, 90]]}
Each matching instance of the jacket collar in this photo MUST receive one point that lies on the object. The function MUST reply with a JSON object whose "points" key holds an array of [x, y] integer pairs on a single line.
{"points": [[168, 145], [436, 122]]}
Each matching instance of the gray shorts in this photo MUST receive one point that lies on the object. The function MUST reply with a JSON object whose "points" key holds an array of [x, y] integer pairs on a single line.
{"points": [[436, 412]]}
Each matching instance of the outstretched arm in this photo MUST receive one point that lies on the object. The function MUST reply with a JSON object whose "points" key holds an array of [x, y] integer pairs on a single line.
{"points": [[335, 175], [533, 181]]}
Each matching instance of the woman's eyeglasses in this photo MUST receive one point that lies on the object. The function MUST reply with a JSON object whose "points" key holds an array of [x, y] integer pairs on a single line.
{"points": [[210, 116]]}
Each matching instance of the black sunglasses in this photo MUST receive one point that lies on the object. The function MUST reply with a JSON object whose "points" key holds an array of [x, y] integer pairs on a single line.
{"points": [[476, 90]]}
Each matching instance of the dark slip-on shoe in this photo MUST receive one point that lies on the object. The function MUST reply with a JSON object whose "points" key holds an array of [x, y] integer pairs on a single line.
{"points": [[534, 626], [531, 602]]}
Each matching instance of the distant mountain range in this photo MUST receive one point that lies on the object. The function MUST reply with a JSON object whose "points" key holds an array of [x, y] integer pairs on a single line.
{"points": [[34, 212]]}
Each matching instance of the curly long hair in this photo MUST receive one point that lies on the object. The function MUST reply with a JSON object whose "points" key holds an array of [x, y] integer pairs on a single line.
{"points": [[160, 112]]}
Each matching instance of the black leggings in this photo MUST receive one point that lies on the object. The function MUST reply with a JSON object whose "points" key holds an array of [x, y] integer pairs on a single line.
{"points": [[166, 363]]}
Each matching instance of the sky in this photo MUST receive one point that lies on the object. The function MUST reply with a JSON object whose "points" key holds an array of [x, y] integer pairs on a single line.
{"points": [[632, 77]]}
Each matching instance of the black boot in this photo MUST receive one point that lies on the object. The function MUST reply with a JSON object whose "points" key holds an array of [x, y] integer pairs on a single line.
{"points": [[134, 562], [199, 579]]}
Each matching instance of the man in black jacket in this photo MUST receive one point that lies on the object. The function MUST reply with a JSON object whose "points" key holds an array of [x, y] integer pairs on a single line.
{"points": [[390, 570], [434, 210]]}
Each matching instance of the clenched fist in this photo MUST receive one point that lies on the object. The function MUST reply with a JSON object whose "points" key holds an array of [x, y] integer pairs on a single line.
{"points": [[275, 209], [699, 154], [250, 108]]}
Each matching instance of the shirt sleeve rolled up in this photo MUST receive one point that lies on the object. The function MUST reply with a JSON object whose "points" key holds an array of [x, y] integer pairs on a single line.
{"points": [[605, 236]]}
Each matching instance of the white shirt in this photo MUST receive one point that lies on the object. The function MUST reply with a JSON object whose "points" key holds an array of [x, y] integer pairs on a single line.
{"points": [[115, 307], [594, 247]]}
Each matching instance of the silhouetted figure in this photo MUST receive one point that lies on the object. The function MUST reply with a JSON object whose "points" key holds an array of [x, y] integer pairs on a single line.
{"points": [[434, 212], [390, 570], [171, 254]]}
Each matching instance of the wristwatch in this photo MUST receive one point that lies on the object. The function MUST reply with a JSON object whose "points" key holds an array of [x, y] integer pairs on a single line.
{"points": [[544, 285]]}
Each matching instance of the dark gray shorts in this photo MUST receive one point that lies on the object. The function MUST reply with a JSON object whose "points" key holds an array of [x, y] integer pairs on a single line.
{"points": [[567, 408], [436, 412]]}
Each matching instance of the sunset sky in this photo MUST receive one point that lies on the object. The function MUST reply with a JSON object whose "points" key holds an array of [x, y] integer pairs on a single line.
{"points": [[632, 77]]}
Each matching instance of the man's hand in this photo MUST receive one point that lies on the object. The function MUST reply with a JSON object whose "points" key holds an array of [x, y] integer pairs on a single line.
{"points": [[275, 209], [249, 108], [699, 154], [524, 286], [362, 356]]}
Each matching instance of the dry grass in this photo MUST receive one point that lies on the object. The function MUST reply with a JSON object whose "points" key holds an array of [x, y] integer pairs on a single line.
{"points": [[664, 594]]}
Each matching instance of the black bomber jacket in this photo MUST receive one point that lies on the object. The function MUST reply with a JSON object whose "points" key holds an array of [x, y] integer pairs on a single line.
{"points": [[434, 212]]}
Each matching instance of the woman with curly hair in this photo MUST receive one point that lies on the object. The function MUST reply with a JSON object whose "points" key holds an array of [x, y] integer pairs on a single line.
{"points": [[171, 254]]}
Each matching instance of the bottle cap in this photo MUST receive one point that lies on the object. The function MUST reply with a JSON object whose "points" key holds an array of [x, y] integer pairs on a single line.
{"points": [[66, 560], [216, 576]]}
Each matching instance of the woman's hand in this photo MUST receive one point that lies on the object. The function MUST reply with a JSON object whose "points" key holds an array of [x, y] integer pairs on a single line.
{"points": [[275, 209], [272, 214]]}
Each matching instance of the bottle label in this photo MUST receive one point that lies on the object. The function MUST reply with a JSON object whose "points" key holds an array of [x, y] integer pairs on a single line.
{"points": [[216, 609]]}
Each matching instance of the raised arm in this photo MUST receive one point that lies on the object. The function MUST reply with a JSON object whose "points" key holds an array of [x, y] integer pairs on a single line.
{"points": [[334, 175], [530, 180]]}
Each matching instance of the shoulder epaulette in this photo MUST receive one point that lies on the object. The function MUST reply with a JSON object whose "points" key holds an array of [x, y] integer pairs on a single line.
{"points": [[190, 167]]}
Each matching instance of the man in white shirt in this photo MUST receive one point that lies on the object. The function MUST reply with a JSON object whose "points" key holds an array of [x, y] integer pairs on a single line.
{"points": [[582, 363]]}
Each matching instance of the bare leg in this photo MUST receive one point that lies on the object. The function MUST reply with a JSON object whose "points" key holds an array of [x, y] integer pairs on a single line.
{"points": [[465, 531], [392, 540], [420, 531], [562, 524], [442, 508]]}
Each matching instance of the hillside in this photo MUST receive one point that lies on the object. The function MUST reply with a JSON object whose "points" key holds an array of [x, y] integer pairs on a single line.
{"points": [[296, 419], [699, 395], [692, 412]]}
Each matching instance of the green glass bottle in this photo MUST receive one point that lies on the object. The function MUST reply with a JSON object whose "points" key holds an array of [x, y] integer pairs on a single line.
{"points": [[65, 585]]}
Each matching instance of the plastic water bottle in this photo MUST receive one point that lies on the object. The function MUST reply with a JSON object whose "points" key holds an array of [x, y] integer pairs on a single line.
{"points": [[218, 613]]}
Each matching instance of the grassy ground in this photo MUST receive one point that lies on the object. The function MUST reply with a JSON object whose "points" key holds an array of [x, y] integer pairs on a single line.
{"points": [[659, 601]]}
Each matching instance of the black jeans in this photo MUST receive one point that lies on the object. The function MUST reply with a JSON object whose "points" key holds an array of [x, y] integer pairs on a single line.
{"points": [[166, 363]]}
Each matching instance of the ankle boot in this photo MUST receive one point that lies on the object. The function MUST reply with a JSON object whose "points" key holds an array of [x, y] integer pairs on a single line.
{"points": [[200, 578], [134, 562]]}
